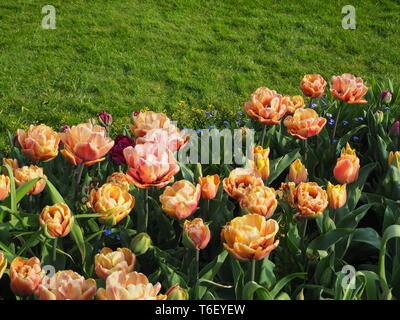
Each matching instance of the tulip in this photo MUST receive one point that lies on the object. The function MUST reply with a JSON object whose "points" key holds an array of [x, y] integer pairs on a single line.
{"points": [[394, 159], [4, 187], [260, 162], [266, 106], [3, 264], [348, 88], [196, 235], [113, 201], [140, 243], [171, 138], [108, 261], [250, 237], [304, 123], [121, 179], [378, 115], [85, 143], [297, 172], [177, 293], [25, 276], [293, 103], [310, 199], [40, 143], [13, 163], [209, 186], [57, 219], [26, 174], [181, 199], [286, 193], [395, 129], [313, 86], [129, 286], [150, 165], [105, 118], [64, 128], [337, 196], [259, 200], [120, 143], [385, 97], [146, 121], [239, 180], [67, 285], [347, 166]]}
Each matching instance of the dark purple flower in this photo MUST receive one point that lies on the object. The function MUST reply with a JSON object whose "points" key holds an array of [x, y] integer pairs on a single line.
{"points": [[395, 129], [135, 114], [385, 97], [120, 143], [64, 128], [105, 118]]}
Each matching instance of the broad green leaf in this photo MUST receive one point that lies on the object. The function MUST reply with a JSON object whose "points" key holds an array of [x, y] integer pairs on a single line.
{"points": [[390, 233], [77, 236], [277, 166], [253, 291], [284, 281]]}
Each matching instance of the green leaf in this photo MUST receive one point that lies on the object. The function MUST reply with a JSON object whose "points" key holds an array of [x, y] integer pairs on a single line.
{"points": [[352, 219], [32, 241], [186, 173], [367, 235], [284, 281], [390, 233], [325, 241], [253, 291], [24, 189], [77, 236], [277, 166], [11, 202], [56, 197], [343, 140]]}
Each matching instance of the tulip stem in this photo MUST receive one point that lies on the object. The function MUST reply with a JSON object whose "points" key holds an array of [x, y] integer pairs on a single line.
{"points": [[253, 269], [304, 232], [263, 135], [305, 150], [143, 225], [79, 176], [337, 120], [197, 264], [55, 251]]}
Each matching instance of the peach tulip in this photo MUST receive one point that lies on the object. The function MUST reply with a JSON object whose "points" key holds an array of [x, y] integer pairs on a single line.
{"points": [[310, 199], [181, 199], [394, 159], [293, 103], [25, 276], [348, 88], [147, 121], [57, 219], [85, 143], [239, 180], [304, 123], [67, 285], [13, 163], [150, 165], [3, 264], [313, 85], [259, 200], [172, 138], [347, 166], [108, 261], [337, 196], [196, 234], [112, 200], [40, 143], [177, 293], [129, 286], [260, 162], [121, 179], [266, 106], [26, 174], [4, 187], [286, 193], [250, 237], [297, 172], [209, 186]]}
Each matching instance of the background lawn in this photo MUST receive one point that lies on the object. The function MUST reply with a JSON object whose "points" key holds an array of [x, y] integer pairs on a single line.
{"points": [[182, 57]]}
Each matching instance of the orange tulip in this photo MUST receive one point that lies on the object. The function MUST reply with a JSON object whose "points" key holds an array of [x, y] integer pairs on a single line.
{"points": [[3, 264], [313, 85], [209, 186], [297, 172], [250, 237], [85, 143], [150, 165], [147, 121], [25, 276], [260, 200], [347, 166], [304, 123], [239, 180], [129, 286], [293, 103], [286, 193], [108, 261], [337, 196], [26, 174], [177, 293], [112, 200], [121, 179], [181, 199], [13, 163], [4, 187], [394, 159], [348, 88], [57, 219], [260, 162], [310, 199], [196, 235], [67, 285], [266, 106], [172, 138], [40, 143]]}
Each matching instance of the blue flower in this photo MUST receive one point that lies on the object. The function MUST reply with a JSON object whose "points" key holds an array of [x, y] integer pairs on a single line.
{"points": [[98, 250], [359, 119], [240, 113], [334, 140], [211, 127], [329, 115], [198, 131], [226, 123], [345, 122], [331, 122], [324, 104], [313, 106], [118, 237], [239, 122], [208, 114], [355, 138], [386, 108], [107, 232]]}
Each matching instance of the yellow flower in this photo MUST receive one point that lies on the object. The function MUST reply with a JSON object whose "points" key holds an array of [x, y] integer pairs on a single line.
{"points": [[4, 187], [337, 196], [260, 162], [209, 186], [121, 179], [394, 159], [108, 261], [26, 174], [3, 264], [260, 200], [297, 172]]}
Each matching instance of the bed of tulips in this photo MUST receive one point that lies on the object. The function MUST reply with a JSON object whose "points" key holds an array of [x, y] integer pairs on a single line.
{"points": [[313, 214]]}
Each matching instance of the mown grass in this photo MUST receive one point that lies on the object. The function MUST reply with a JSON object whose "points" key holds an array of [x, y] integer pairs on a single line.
{"points": [[182, 55]]}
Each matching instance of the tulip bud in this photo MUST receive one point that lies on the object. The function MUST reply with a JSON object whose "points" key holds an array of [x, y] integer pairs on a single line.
{"points": [[140, 243], [300, 296], [297, 172], [378, 115], [387, 295], [196, 234], [3, 264], [105, 118], [395, 129], [385, 97], [209, 186], [337, 196], [177, 293], [394, 159], [64, 128]]}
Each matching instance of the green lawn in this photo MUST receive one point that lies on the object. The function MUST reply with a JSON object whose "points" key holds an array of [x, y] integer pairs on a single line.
{"points": [[129, 54]]}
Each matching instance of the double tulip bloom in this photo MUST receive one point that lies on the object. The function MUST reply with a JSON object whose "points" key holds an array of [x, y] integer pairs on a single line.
{"points": [[348, 88], [260, 161], [259, 200], [250, 237], [129, 286], [66, 285], [57, 220], [313, 86], [25, 276], [209, 186], [337, 195], [196, 235], [180, 200], [347, 166], [310, 199], [304, 123], [26, 174], [121, 179], [239, 180], [266, 106], [4, 187], [85, 143], [293, 103], [112, 200], [297, 172], [108, 261]]}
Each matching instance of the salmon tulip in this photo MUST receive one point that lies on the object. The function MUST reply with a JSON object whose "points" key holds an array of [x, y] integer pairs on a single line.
{"points": [[313, 86], [337, 196], [209, 186], [13, 163], [293, 103], [25, 276], [26, 174], [286, 193], [196, 234], [239, 180], [3, 264], [57, 219], [147, 121], [297, 172], [108, 261], [347, 166], [4, 187], [121, 179], [260, 200], [172, 138], [177, 293], [348, 88], [310, 199], [304, 123]]}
